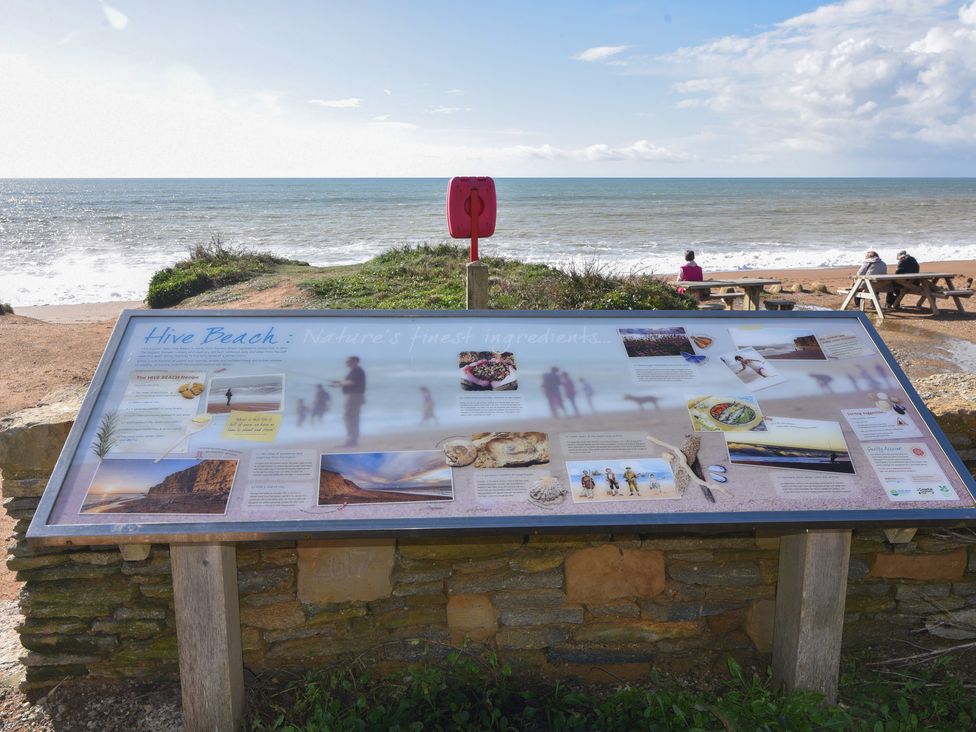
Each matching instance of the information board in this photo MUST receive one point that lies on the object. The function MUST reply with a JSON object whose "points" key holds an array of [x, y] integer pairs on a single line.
{"points": [[247, 424]]}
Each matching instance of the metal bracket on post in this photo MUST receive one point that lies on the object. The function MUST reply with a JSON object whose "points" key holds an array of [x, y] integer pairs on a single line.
{"points": [[810, 597], [208, 630]]}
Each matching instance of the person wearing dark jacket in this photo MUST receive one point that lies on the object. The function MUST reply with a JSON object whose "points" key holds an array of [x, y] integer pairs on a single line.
{"points": [[907, 264]]}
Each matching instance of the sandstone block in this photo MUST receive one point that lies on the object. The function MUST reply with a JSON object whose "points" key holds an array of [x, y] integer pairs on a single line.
{"points": [[572, 614], [23, 488], [459, 549], [102, 559], [494, 581], [345, 570], [273, 617], [599, 575], [251, 640], [419, 588], [471, 616], [930, 589], [925, 567], [531, 561], [425, 615], [635, 631], [31, 439], [738, 574], [524, 639], [615, 610], [128, 628], [926, 606], [758, 624], [869, 604], [265, 580]]}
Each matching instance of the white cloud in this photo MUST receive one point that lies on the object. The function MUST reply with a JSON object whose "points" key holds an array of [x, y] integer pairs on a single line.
{"points": [[448, 110], [599, 53], [454, 91], [347, 103], [381, 117], [116, 18], [642, 150], [388, 92], [852, 76]]}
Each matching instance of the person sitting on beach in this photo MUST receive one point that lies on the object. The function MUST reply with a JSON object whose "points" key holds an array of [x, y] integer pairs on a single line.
{"points": [[690, 271], [907, 264], [872, 264]]}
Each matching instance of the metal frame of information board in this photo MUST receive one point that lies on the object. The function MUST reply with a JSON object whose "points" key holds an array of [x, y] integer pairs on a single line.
{"points": [[203, 531]]}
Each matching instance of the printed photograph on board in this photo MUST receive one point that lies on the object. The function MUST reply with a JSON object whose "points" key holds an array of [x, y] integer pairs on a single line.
{"points": [[751, 369], [785, 344], [655, 342], [510, 449], [627, 479], [384, 477], [160, 486], [797, 444], [488, 371], [257, 393], [725, 413]]}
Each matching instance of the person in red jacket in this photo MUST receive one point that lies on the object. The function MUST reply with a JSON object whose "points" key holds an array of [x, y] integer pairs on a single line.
{"points": [[690, 271]]}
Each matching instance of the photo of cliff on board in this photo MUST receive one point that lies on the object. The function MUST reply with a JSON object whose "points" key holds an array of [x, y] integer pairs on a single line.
{"points": [[160, 486]]}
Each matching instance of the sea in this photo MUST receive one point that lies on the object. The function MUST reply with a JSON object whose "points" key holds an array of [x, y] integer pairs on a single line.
{"points": [[78, 241]]}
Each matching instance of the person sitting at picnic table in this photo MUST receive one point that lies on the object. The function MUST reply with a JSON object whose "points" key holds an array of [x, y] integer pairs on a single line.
{"points": [[907, 264], [872, 264], [691, 272]]}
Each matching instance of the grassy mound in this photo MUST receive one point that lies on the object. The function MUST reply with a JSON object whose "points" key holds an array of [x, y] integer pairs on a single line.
{"points": [[208, 267], [432, 278]]}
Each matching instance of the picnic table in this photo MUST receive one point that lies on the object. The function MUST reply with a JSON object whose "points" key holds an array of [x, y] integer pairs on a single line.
{"points": [[749, 291], [866, 288]]}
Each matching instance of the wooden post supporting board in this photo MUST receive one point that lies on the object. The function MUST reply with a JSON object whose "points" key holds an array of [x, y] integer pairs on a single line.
{"points": [[476, 290], [208, 629], [809, 620]]}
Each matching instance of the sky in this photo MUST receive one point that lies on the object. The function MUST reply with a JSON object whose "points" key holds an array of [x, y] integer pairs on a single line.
{"points": [[330, 88]]}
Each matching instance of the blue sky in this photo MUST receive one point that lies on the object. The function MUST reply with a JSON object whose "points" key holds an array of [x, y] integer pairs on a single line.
{"points": [[126, 88]]}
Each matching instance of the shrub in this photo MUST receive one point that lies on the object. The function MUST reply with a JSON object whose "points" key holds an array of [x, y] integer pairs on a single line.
{"points": [[208, 266]]}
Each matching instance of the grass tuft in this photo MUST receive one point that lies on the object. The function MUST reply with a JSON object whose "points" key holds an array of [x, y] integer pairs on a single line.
{"points": [[209, 266]]}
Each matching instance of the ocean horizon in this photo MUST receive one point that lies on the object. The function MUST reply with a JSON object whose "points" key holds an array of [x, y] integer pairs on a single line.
{"points": [[78, 240]]}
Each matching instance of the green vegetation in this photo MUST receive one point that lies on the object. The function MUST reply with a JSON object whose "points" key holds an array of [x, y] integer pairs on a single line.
{"points": [[209, 266], [462, 693], [432, 278], [416, 278]]}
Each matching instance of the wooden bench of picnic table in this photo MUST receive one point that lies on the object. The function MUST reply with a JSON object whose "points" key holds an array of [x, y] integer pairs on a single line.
{"points": [[924, 285]]}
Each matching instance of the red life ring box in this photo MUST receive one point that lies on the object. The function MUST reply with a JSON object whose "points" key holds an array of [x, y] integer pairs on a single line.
{"points": [[458, 206]]}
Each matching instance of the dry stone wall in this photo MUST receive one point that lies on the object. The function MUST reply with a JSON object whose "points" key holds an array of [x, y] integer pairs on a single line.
{"points": [[597, 607]]}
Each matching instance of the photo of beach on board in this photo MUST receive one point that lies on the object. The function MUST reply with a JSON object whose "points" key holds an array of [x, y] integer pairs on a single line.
{"points": [[655, 342], [725, 413], [488, 371], [166, 486], [257, 393], [796, 444], [384, 477], [793, 344], [624, 479], [754, 371]]}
